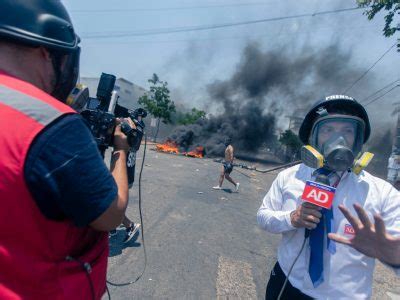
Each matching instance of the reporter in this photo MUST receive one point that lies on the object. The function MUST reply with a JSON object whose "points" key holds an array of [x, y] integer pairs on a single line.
{"points": [[53, 180], [336, 258]]}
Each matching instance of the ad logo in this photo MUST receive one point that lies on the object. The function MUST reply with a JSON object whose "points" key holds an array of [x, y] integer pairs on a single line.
{"points": [[318, 194], [348, 229]]}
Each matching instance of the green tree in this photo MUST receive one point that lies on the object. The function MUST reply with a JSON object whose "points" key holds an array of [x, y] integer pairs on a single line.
{"points": [[292, 143], [189, 117], [393, 8], [158, 102]]}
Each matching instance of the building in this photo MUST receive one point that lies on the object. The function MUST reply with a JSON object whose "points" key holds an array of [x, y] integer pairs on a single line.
{"points": [[129, 93], [295, 123]]}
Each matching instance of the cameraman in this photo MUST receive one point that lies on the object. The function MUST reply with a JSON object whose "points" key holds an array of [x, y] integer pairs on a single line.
{"points": [[53, 179]]}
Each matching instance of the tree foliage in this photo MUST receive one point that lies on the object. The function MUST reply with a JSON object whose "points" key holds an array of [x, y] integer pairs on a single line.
{"points": [[158, 101], [291, 141], [391, 6], [189, 117]]}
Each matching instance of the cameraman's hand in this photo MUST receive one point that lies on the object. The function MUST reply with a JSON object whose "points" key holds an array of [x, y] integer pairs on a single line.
{"points": [[120, 139], [114, 215], [306, 215]]}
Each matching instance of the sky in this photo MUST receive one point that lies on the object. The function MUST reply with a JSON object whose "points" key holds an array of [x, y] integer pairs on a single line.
{"points": [[191, 61]]}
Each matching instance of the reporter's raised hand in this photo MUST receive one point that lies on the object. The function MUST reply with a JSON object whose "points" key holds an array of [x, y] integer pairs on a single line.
{"points": [[370, 239], [306, 215]]}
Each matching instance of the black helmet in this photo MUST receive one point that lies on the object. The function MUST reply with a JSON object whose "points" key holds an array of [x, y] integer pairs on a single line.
{"points": [[44, 23], [340, 104], [38, 23]]}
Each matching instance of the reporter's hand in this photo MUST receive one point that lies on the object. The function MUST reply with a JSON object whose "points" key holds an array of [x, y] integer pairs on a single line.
{"points": [[306, 215], [120, 139], [370, 239]]}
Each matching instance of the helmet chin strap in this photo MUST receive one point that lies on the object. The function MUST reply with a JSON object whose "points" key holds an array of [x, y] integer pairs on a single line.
{"points": [[56, 61], [66, 77]]}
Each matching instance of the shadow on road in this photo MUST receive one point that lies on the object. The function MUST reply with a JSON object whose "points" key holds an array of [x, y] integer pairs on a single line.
{"points": [[229, 191], [117, 244]]}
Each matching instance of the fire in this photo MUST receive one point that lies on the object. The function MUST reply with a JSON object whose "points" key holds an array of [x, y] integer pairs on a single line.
{"points": [[172, 147], [198, 152], [169, 147]]}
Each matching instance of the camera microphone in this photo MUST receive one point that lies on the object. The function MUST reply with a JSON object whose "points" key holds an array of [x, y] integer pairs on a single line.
{"points": [[319, 193], [104, 90]]}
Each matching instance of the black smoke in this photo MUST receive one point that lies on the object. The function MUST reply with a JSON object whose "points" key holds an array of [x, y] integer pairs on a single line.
{"points": [[266, 87], [248, 132], [381, 146]]}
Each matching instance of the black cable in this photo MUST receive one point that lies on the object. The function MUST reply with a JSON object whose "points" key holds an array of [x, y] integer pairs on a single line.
{"points": [[381, 89], [214, 26], [369, 69], [141, 220], [108, 292], [235, 37], [377, 98], [290, 270], [88, 269]]}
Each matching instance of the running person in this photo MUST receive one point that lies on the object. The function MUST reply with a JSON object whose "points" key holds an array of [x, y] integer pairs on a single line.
{"points": [[227, 166]]}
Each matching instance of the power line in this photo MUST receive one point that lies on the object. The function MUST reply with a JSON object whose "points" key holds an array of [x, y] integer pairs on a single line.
{"points": [[377, 98], [381, 89], [369, 69], [170, 8], [221, 38], [213, 26]]}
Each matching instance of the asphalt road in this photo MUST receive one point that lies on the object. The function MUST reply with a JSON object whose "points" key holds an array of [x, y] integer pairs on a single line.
{"points": [[200, 243]]}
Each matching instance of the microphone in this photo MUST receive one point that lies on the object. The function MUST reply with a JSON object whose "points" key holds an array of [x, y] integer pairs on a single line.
{"points": [[318, 192]]}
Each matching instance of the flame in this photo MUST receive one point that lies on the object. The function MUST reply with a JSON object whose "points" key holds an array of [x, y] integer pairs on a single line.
{"points": [[172, 147], [198, 152], [169, 147]]}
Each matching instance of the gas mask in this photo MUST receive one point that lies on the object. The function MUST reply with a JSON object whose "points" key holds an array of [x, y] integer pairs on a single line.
{"points": [[338, 154], [336, 141]]}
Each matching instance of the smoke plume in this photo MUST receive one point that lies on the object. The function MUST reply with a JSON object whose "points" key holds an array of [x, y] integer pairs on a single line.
{"points": [[381, 146], [266, 87]]}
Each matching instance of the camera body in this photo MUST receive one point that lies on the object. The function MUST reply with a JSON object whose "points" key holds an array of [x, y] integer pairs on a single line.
{"points": [[102, 124], [101, 115], [134, 135]]}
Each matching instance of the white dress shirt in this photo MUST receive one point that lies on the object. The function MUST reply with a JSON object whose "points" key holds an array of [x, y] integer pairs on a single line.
{"points": [[348, 274]]}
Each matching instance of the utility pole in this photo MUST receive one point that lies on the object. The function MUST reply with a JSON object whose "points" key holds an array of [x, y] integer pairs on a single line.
{"points": [[394, 159], [396, 142], [396, 138]]}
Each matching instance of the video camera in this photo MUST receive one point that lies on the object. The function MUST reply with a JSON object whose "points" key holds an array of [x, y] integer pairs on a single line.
{"points": [[101, 114]]}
